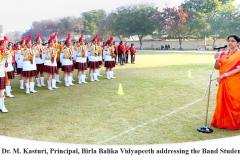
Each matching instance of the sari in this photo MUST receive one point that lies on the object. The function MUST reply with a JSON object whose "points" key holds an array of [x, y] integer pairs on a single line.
{"points": [[227, 112]]}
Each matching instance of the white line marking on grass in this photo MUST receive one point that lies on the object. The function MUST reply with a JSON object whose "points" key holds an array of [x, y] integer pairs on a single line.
{"points": [[149, 122]]}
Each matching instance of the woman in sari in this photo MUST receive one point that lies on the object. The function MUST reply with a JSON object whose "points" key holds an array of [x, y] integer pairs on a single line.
{"points": [[227, 112]]}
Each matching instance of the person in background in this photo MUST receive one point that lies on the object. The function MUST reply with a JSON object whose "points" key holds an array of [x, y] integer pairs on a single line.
{"points": [[13, 59], [126, 54], [166, 47], [115, 53], [132, 51], [121, 51]]}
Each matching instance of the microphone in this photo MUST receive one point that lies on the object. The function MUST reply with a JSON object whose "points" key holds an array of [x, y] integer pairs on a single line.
{"points": [[220, 47]]}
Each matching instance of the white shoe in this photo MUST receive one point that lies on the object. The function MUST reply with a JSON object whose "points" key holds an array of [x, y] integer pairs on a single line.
{"points": [[42, 81], [111, 75], [70, 81], [27, 88], [108, 75], [58, 81], [98, 73], [38, 82], [84, 78], [49, 84], [2, 105], [11, 89], [80, 79], [66, 81], [8, 92], [91, 77], [21, 84], [54, 84], [95, 77], [58, 78], [32, 87], [4, 109]]}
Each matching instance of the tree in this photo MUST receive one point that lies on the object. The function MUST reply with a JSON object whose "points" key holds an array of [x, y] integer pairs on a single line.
{"points": [[205, 16], [94, 22], [134, 20], [173, 23], [45, 27], [62, 26], [223, 24], [70, 24], [118, 22]]}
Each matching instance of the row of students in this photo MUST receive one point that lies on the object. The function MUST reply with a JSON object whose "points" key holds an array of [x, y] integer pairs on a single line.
{"points": [[35, 61]]}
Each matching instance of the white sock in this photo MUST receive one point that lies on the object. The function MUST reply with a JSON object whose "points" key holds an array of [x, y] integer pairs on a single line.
{"points": [[21, 84], [42, 81], [27, 88]]}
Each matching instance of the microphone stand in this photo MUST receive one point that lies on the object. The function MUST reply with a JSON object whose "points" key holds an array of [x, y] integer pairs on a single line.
{"points": [[205, 128]]}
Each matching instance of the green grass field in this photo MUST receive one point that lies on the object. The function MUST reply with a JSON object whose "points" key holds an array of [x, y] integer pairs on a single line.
{"points": [[161, 104]]}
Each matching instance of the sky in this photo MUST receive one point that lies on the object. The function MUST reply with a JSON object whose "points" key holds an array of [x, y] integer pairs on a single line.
{"points": [[18, 15]]}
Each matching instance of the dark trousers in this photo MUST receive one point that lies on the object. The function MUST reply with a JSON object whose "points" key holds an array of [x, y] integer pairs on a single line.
{"points": [[122, 59], [133, 58], [118, 57], [126, 58], [115, 58]]}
